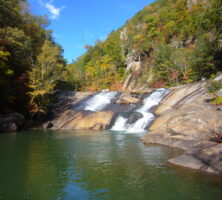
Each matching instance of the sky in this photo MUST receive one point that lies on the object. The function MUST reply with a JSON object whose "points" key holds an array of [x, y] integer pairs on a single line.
{"points": [[76, 23]]}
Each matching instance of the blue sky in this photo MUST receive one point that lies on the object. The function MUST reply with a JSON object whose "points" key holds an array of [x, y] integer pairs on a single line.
{"points": [[76, 23]]}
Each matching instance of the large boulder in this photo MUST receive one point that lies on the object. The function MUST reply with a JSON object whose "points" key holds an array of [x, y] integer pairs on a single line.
{"points": [[11, 122], [71, 120], [198, 119], [185, 116], [135, 116], [205, 157], [179, 96], [92, 121], [186, 120]]}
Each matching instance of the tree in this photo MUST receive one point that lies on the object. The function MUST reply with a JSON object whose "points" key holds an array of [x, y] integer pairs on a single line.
{"points": [[44, 75]]}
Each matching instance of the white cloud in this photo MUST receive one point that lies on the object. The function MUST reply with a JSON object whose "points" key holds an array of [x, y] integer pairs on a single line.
{"points": [[55, 12]]}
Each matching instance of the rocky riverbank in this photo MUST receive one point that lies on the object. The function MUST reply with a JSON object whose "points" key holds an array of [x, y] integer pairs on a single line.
{"points": [[74, 112], [11, 122], [187, 120]]}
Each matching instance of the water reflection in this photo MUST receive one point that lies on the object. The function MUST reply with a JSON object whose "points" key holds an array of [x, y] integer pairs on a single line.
{"points": [[95, 165]]}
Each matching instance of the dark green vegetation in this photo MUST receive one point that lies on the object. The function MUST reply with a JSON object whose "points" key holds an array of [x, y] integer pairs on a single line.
{"points": [[181, 41], [181, 38], [30, 60], [215, 87], [95, 165]]}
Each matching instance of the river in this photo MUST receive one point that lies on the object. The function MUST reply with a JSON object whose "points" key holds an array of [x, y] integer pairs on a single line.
{"points": [[102, 165]]}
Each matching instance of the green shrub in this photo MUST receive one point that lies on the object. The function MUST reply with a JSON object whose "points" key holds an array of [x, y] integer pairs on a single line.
{"points": [[213, 86], [217, 101]]}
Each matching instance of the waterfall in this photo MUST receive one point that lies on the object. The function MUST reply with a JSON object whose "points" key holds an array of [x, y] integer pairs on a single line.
{"points": [[146, 117], [99, 101]]}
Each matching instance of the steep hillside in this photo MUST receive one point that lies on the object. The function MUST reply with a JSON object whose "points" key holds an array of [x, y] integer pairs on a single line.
{"points": [[169, 42]]}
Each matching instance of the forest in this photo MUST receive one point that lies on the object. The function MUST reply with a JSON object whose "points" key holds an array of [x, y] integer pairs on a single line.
{"points": [[183, 40], [31, 63]]}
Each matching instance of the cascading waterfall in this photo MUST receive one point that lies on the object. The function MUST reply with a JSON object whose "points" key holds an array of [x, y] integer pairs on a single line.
{"points": [[122, 123], [99, 101]]}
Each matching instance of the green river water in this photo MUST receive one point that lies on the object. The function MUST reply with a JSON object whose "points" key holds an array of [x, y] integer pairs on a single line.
{"points": [[96, 165]]}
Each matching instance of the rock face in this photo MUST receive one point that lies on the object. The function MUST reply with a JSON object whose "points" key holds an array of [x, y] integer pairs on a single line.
{"points": [[191, 3], [89, 121], [69, 112], [205, 157], [187, 121], [11, 122], [135, 68], [126, 98], [134, 117]]}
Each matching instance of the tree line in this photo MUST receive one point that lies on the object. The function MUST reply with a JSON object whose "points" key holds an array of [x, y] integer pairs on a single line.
{"points": [[183, 40], [31, 62]]}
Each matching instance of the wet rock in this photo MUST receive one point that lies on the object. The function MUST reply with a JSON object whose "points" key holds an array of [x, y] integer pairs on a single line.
{"points": [[177, 141], [100, 127], [11, 122], [205, 157], [186, 120], [81, 120], [126, 98], [97, 120], [9, 127], [70, 113], [134, 117], [47, 125]]}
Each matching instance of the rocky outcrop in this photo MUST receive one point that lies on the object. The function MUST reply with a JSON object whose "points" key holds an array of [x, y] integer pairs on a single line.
{"points": [[71, 120], [191, 3], [186, 120], [126, 98], [136, 67], [69, 111], [11, 122], [205, 157]]}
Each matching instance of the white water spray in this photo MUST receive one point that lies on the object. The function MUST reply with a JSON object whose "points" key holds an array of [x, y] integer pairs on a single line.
{"points": [[99, 101], [147, 117]]}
